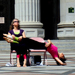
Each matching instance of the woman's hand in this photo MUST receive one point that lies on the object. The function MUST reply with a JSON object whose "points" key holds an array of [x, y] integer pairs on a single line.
{"points": [[13, 36], [58, 60], [64, 64], [20, 38]]}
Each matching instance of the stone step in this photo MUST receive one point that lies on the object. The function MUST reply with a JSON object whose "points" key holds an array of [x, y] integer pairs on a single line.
{"points": [[5, 58], [48, 60], [63, 45], [54, 41]]}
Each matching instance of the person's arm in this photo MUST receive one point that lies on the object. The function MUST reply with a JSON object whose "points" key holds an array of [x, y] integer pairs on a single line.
{"points": [[9, 33], [51, 42], [13, 36], [23, 35], [20, 37], [57, 59]]}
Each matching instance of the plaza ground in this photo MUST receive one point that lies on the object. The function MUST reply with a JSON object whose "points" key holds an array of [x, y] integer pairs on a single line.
{"points": [[50, 69]]}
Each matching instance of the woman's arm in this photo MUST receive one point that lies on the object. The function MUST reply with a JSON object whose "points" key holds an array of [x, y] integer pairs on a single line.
{"points": [[18, 38], [57, 59], [9, 33], [51, 42], [23, 35]]}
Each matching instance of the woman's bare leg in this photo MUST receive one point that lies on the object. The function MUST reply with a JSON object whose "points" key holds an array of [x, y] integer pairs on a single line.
{"points": [[18, 63], [24, 63]]}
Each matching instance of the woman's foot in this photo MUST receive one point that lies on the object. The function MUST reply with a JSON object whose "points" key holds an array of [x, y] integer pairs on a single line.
{"points": [[49, 42], [18, 65], [8, 39], [8, 36], [5, 35], [24, 66]]}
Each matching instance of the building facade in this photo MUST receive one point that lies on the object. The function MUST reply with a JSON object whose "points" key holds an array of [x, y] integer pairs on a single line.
{"points": [[66, 28], [49, 19]]}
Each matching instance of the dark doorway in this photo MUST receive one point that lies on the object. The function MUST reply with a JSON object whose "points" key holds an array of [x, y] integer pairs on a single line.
{"points": [[50, 17], [6, 15]]}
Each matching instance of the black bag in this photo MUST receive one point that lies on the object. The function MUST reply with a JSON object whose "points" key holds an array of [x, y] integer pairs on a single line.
{"points": [[35, 60]]}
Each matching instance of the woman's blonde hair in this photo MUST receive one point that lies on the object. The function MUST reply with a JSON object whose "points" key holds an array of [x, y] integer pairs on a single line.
{"points": [[11, 26]]}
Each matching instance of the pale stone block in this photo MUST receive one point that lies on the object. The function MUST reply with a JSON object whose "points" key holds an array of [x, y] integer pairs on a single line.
{"points": [[63, 19], [66, 32], [62, 1], [65, 16], [28, 12], [66, 26], [69, 1], [33, 32]]}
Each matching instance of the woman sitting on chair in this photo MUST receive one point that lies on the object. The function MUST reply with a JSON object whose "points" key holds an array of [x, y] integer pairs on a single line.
{"points": [[17, 32], [32, 44]]}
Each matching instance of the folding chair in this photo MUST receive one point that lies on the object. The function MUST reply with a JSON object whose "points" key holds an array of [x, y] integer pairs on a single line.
{"points": [[39, 39], [11, 56]]}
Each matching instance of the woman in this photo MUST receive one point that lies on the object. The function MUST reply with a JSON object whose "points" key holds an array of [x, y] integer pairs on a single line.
{"points": [[17, 32], [50, 47]]}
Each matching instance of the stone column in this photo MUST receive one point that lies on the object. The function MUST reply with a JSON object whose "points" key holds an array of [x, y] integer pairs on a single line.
{"points": [[66, 28], [28, 12]]}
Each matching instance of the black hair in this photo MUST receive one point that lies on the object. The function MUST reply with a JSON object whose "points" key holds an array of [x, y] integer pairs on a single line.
{"points": [[63, 60]]}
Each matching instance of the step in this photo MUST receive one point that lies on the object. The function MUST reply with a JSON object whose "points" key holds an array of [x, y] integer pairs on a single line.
{"points": [[5, 58], [63, 45]]}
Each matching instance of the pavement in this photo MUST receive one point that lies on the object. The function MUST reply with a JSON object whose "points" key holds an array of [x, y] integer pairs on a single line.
{"points": [[50, 69]]}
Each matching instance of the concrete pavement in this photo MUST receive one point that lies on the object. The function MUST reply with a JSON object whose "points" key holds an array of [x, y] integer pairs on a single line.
{"points": [[51, 69]]}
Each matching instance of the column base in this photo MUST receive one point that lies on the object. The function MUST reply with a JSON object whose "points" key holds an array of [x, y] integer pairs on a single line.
{"points": [[34, 32], [66, 25], [33, 29], [31, 24], [66, 33]]}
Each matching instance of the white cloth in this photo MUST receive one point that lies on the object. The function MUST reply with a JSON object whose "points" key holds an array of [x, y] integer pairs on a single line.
{"points": [[9, 36]]}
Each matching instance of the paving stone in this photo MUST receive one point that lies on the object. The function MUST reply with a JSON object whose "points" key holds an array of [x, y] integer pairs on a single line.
{"points": [[51, 69]]}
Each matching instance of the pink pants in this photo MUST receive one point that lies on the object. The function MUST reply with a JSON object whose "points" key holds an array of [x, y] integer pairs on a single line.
{"points": [[25, 57]]}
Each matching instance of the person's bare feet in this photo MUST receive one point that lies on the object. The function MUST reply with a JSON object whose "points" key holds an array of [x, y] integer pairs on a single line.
{"points": [[9, 36], [8, 40], [5, 35], [24, 66], [18, 65]]}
